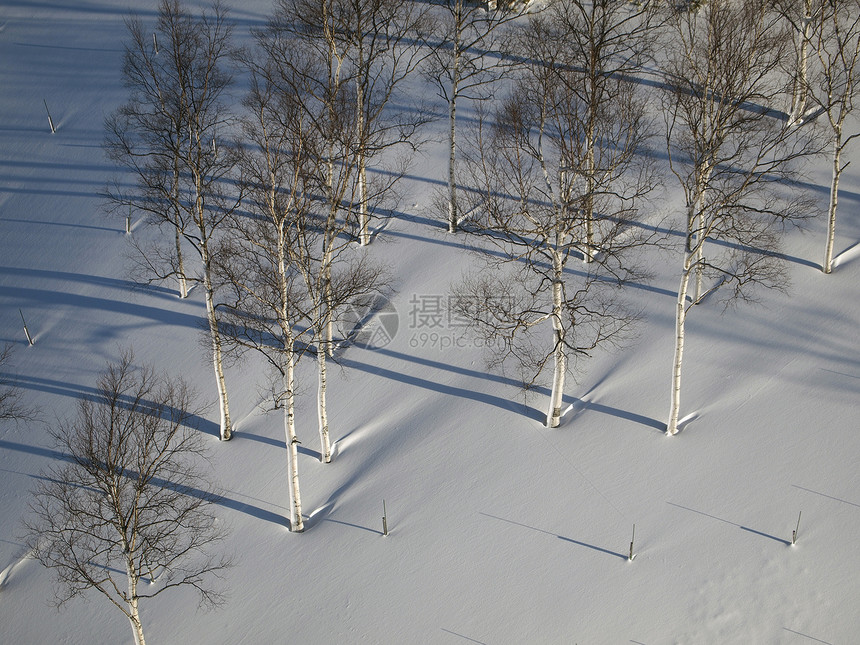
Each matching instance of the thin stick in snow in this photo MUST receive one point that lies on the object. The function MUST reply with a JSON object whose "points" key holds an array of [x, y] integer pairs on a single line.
{"points": [[384, 519], [26, 331], [797, 528], [630, 555], [155, 43], [50, 120]]}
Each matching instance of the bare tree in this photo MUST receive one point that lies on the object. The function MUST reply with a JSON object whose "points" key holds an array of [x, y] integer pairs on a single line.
{"points": [[465, 61], [167, 136], [370, 47], [129, 513], [12, 406], [801, 16], [286, 280], [533, 205], [835, 88], [730, 154], [601, 46], [298, 111], [309, 48]]}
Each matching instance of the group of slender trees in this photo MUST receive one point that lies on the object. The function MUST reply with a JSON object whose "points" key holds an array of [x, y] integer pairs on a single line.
{"points": [[266, 201], [276, 198]]}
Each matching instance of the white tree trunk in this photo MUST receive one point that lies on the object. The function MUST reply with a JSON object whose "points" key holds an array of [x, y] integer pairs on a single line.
{"points": [[697, 233], [834, 198], [180, 267], [589, 206], [326, 260], [296, 520], [132, 611], [553, 417], [798, 98], [680, 320], [363, 214], [325, 441], [225, 428], [363, 217], [453, 215], [700, 264]]}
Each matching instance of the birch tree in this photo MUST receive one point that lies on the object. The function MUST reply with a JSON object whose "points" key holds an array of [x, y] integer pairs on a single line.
{"points": [[306, 74], [286, 164], [167, 137], [129, 513], [533, 206], [268, 310], [836, 87], [604, 44], [801, 16], [373, 47], [465, 61], [732, 157]]}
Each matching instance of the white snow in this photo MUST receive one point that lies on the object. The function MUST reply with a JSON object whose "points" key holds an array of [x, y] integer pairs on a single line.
{"points": [[501, 531]]}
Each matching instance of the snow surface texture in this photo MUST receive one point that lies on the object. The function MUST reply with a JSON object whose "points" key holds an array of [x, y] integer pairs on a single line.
{"points": [[501, 531]]}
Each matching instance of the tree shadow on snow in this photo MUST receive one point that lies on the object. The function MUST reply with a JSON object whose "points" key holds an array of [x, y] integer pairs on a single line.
{"points": [[593, 547], [489, 399], [530, 412], [743, 528]]}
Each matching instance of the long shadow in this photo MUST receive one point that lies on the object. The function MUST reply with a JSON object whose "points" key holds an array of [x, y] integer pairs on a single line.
{"points": [[545, 391], [837, 499], [78, 7], [221, 500], [67, 224], [668, 232], [62, 388], [471, 640], [35, 450], [278, 443], [600, 549], [68, 48], [452, 243], [449, 390], [100, 281], [53, 299], [661, 82], [743, 528], [812, 638]]}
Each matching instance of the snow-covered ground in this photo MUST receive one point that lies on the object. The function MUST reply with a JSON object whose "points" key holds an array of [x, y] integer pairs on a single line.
{"points": [[501, 531]]}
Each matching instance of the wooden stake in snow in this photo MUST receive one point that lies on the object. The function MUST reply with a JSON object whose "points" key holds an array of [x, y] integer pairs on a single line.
{"points": [[797, 528], [26, 331], [128, 222], [50, 120], [384, 519], [630, 555]]}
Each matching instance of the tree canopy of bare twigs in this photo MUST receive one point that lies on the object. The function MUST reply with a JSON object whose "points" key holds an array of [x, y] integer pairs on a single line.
{"points": [[171, 137], [129, 512], [12, 406], [365, 50], [733, 156], [555, 184], [466, 59]]}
